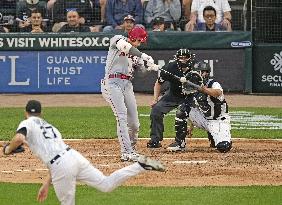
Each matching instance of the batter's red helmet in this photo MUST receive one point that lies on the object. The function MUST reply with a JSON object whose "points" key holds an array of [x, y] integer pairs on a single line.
{"points": [[138, 33]]}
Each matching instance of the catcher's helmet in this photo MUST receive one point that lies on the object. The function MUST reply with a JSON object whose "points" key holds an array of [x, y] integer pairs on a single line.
{"points": [[138, 33], [184, 58], [202, 66]]}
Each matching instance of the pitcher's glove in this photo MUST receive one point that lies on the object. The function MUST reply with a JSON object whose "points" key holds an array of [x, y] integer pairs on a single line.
{"points": [[17, 150]]}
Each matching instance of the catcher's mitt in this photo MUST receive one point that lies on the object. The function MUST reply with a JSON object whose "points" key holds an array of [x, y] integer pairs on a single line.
{"points": [[17, 150], [194, 81]]}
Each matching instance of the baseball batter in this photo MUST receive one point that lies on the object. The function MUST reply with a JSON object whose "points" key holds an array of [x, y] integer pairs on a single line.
{"points": [[209, 112], [66, 165], [123, 57]]}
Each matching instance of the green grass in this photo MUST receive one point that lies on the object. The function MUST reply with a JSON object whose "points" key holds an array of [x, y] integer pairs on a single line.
{"points": [[100, 123], [25, 194]]}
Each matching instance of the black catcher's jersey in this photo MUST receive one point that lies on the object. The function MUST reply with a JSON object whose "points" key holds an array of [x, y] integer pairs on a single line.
{"points": [[175, 86]]}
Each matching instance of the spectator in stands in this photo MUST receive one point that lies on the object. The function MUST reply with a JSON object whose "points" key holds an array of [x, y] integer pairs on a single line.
{"points": [[222, 8], [7, 4], [128, 24], [3, 29], [158, 24], [83, 7], [50, 4], [24, 9], [117, 9], [99, 10], [186, 6], [36, 23], [170, 10], [8, 14], [209, 15], [73, 23]]}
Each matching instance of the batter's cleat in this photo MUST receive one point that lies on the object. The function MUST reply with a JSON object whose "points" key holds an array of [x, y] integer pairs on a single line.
{"points": [[175, 147], [130, 157], [153, 144], [150, 164]]}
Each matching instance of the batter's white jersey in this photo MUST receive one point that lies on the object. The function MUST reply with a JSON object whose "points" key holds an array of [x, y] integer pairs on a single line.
{"points": [[220, 6], [43, 139]]}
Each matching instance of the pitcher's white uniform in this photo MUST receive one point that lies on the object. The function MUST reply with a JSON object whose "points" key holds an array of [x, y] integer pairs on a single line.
{"points": [[216, 119], [67, 165], [117, 89]]}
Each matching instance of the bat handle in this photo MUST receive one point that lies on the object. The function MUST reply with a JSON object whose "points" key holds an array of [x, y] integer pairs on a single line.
{"points": [[198, 87]]}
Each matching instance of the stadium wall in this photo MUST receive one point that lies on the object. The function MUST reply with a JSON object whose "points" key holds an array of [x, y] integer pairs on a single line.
{"points": [[74, 63]]}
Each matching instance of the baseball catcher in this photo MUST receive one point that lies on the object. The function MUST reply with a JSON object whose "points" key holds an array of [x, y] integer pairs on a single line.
{"points": [[206, 109]]}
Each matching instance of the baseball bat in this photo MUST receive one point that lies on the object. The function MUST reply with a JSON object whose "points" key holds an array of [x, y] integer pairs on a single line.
{"points": [[178, 78]]}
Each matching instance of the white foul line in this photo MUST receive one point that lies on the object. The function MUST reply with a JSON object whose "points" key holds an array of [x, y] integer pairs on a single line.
{"points": [[22, 170], [190, 162]]}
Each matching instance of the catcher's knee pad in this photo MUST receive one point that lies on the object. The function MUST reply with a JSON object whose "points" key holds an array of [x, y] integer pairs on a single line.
{"points": [[224, 146]]}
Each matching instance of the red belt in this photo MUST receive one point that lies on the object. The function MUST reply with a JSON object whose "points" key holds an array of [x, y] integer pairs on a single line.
{"points": [[120, 76]]}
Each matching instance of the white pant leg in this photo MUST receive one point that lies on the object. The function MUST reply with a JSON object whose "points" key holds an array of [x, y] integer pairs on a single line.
{"points": [[220, 130], [95, 178], [132, 113], [115, 96], [198, 119], [63, 172], [105, 90]]}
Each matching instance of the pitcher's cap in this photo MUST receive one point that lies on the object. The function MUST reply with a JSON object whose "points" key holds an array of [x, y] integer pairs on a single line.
{"points": [[33, 106]]}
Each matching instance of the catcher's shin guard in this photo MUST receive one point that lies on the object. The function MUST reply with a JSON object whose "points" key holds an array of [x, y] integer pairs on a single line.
{"points": [[181, 123]]}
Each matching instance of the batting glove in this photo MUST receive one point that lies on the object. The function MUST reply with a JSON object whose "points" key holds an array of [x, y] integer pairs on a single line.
{"points": [[153, 67], [183, 80], [147, 58]]}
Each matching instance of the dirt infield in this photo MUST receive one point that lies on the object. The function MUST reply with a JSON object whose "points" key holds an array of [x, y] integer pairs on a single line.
{"points": [[250, 162]]}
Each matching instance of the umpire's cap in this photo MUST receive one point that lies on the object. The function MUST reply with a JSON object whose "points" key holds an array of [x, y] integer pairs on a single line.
{"points": [[33, 106]]}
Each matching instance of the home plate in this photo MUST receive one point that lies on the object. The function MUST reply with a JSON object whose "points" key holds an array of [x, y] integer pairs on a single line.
{"points": [[190, 162]]}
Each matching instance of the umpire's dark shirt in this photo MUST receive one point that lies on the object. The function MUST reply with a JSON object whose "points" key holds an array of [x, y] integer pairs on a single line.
{"points": [[175, 86]]}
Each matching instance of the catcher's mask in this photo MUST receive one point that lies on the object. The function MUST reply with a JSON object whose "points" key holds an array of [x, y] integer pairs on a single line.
{"points": [[138, 33], [200, 67], [184, 58]]}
